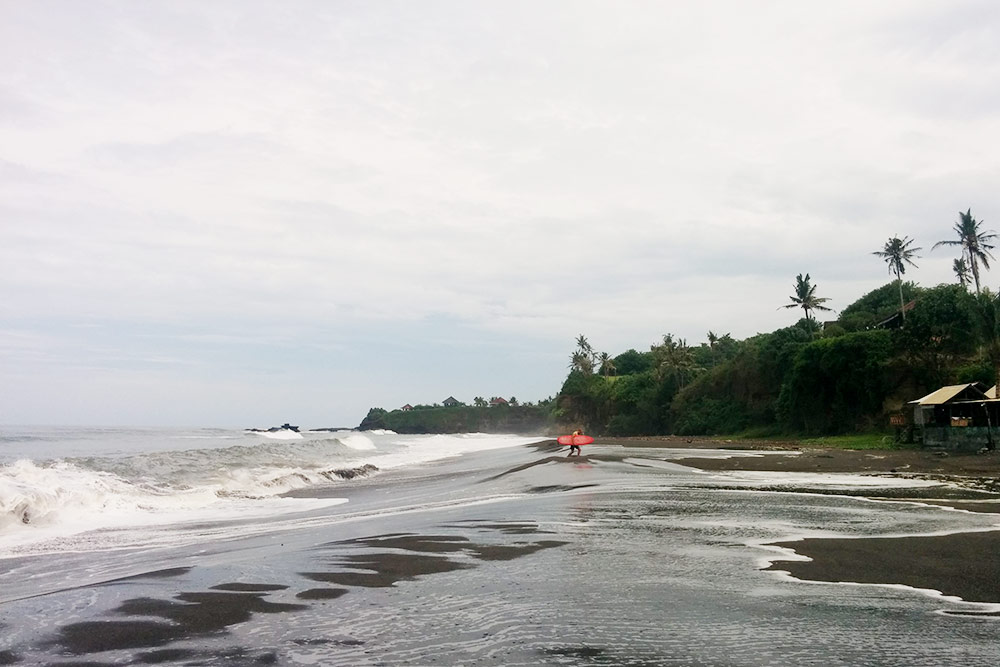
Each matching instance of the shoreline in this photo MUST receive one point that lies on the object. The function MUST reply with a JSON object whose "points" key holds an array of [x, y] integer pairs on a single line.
{"points": [[790, 456], [961, 564]]}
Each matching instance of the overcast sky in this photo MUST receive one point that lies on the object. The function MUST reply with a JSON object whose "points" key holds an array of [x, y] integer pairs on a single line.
{"points": [[244, 213]]}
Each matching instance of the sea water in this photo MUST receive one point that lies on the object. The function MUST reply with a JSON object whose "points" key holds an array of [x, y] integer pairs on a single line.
{"points": [[72, 488]]}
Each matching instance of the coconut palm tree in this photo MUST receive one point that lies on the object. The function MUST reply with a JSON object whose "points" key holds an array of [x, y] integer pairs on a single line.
{"points": [[805, 296], [897, 253], [606, 364], [579, 361], [674, 359], [974, 242], [583, 359], [961, 270]]}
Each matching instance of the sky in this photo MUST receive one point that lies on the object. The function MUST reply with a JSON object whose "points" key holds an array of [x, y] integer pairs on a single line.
{"points": [[241, 213]]}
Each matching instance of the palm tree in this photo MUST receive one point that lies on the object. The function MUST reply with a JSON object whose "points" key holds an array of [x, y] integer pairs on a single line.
{"points": [[974, 242], [674, 359], [581, 362], [961, 270], [805, 296], [607, 366], [583, 358], [897, 253]]}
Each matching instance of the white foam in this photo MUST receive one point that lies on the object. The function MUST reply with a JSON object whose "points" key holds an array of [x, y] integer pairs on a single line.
{"points": [[283, 434], [358, 442], [42, 502], [123, 529]]}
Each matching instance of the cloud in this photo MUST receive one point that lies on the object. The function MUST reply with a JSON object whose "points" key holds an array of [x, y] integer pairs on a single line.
{"points": [[251, 178]]}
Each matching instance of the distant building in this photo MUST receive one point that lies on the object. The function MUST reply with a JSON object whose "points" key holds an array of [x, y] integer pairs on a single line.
{"points": [[406, 407], [450, 402], [958, 417], [498, 401]]}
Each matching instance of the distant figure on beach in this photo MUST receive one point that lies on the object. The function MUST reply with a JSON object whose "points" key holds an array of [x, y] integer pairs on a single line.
{"points": [[578, 431]]}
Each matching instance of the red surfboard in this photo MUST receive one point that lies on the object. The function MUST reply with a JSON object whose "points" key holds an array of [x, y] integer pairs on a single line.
{"points": [[575, 440]]}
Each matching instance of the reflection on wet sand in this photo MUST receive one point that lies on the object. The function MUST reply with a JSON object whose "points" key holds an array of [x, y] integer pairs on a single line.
{"points": [[386, 568], [189, 615]]}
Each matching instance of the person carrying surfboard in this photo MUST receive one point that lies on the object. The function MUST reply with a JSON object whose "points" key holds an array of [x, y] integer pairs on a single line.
{"points": [[573, 445]]}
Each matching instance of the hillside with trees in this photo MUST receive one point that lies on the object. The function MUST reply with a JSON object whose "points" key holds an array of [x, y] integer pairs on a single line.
{"points": [[846, 376], [893, 344], [481, 417]]}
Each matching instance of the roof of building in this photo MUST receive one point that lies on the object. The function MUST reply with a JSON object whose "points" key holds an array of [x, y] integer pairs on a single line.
{"points": [[955, 392], [896, 318]]}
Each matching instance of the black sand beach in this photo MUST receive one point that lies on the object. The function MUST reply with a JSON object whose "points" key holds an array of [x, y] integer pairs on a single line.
{"points": [[966, 565], [528, 557]]}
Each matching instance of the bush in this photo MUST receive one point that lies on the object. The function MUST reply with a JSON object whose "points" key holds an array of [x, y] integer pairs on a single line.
{"points": [[836, 383]]}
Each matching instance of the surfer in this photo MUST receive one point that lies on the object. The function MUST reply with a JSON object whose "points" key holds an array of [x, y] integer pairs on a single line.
{"points": [[575, 446]]}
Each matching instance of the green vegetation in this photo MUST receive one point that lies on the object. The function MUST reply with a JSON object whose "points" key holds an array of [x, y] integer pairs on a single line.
{"points": [[844, 377], [505, 418]]}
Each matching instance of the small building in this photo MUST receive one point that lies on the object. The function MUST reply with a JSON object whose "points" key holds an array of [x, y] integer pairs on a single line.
{"points": [[450, 402], [961, 417], [895, 320], [406, 407], [498, 401]]}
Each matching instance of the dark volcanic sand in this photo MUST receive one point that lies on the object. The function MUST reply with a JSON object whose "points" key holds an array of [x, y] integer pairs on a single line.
{"points": [[966, 565], [813, 458]]}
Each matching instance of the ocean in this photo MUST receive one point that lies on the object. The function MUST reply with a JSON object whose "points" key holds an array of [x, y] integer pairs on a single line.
{"points": [[225, 547]]}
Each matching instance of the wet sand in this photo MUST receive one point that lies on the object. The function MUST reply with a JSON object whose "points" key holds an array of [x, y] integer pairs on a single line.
{"points": [[966, 565], [596, 559], [816, 458]]}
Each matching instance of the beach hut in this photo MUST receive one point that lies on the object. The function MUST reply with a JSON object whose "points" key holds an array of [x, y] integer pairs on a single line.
{"points": [[958, 417]]}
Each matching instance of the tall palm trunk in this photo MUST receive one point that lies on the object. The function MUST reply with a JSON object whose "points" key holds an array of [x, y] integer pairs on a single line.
{"points": [[899, 284], [975, 269]]}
